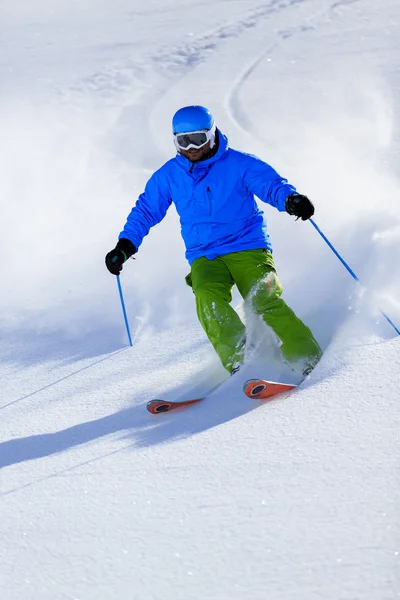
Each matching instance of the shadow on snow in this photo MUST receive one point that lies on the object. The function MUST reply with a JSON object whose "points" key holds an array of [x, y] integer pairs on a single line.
{"points": [[145, 429]]}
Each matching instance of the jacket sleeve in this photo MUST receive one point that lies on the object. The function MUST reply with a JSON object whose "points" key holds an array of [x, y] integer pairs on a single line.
{"points": [[265, 183], [150, 208]]}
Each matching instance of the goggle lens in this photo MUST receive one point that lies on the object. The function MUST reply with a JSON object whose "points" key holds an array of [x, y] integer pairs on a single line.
{"points": [[195, 139]]}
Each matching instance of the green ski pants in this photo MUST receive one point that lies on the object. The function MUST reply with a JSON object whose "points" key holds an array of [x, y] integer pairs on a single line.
{"points": [[253, 272]]}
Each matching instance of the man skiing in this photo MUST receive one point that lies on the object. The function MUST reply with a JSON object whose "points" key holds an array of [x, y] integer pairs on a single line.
{"points": [[225, 234]]}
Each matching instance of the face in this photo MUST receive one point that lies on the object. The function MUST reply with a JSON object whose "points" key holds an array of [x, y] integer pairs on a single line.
{"points": [[194, 155]]}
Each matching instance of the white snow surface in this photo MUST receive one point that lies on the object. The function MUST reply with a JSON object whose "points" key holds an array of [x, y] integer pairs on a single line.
{"points": [[233, 499]]}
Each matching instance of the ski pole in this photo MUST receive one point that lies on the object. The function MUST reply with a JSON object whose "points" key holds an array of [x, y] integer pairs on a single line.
{"points": [[344, 263], [123, 310]]}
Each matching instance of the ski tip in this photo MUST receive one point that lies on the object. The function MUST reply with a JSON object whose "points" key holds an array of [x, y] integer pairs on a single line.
{"points": [[262, 388], [158, 406]]}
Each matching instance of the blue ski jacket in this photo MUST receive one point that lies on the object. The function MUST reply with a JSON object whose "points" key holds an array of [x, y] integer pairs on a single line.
{"points": [[215, 201]]}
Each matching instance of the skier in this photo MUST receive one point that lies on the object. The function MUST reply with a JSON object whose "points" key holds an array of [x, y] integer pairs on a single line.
{"points": [[225, 234]]}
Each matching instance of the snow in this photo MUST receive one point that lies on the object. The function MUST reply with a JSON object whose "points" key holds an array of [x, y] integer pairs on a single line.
{"points": [[232, 498]]}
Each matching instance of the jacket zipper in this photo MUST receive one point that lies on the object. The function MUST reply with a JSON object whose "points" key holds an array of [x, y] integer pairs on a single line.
{"points": [[209, 198]]}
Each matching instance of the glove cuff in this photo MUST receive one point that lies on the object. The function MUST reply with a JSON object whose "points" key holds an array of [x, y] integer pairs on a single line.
{"points": [[126, 247], [291, 202]]}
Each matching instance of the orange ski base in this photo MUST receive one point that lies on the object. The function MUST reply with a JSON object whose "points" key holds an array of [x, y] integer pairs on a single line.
{"points": [[261, 389]]}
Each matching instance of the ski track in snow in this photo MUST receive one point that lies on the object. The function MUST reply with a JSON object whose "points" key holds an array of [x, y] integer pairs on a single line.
{"points": [[172, 61], [233, 103]]}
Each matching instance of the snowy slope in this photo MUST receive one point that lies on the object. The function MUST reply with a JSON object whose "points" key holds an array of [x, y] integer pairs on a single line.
{"points": [[297, 498]]}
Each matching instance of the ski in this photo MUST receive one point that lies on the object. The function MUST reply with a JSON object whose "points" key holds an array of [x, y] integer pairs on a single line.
{"points": [[159, 406], [262, 389]]}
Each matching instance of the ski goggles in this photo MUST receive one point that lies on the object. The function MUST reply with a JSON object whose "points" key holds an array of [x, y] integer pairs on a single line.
{"points": [[194, 139]]}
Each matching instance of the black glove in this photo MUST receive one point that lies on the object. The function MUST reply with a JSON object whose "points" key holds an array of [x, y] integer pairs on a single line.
{"points": [[116, 258], [299, 206]]}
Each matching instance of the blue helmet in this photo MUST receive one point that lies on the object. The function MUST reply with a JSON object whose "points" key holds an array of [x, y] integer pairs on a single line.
{"points": [[192, 118]]}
